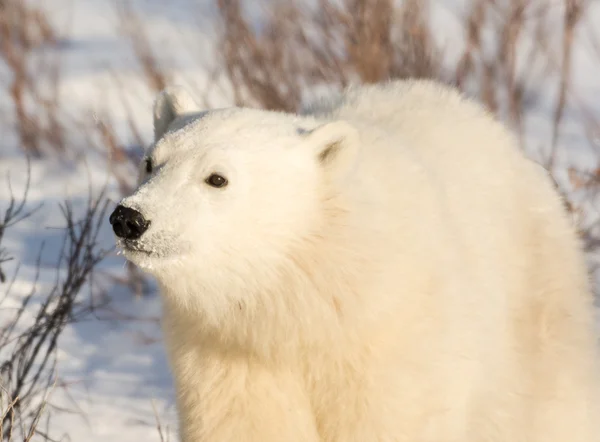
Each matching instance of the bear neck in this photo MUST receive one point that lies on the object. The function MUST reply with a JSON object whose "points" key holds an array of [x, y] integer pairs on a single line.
{"points": [[309, 300]]}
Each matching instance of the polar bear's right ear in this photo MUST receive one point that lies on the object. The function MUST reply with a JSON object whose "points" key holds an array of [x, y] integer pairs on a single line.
{"points": [[336, 145], [171, 103]]}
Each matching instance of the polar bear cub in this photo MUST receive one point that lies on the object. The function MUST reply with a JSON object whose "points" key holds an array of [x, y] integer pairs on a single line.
{"points": [[387, 266]]}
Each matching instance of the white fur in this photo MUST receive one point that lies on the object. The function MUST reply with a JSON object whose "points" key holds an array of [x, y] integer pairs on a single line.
{"points": [[388, 267]]}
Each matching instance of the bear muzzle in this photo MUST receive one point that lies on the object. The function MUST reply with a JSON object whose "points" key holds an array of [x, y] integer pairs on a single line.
{"points": [[128, 223]]}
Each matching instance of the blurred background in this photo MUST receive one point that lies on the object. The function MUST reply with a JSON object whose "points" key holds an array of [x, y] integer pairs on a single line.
{"points": [[81, 356]]}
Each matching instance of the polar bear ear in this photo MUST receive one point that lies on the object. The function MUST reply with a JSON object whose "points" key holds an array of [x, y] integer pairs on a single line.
{"points": [[335, 145], [171, 103]]}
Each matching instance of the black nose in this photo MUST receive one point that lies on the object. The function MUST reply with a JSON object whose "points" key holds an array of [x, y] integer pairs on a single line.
{"points": [[128, 223]]}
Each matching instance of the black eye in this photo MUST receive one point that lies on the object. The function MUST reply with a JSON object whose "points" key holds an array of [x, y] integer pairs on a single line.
{"points": [[216, 180], [148, 165]]}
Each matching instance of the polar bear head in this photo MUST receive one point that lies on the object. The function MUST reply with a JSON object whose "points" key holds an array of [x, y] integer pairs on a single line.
{"points": [[227, 198]]}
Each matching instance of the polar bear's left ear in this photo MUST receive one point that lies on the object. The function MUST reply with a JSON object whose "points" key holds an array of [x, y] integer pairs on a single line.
{"points": [[171, 102], [336, 146]]}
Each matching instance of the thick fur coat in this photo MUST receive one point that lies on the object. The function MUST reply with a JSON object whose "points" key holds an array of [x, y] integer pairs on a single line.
{"points": [[386, 267]]}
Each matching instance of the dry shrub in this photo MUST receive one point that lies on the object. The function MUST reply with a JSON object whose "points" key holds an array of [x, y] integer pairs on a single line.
{"points": [[573, 13], [44, 124], [334, 44], [134, 30], [369, 41], [28, 347], [34, 75]]}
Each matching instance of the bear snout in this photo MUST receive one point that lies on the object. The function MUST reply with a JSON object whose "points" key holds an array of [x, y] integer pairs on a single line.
{"points": [[128, 223]]}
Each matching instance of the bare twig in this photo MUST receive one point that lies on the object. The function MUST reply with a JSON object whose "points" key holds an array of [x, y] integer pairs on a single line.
{"points": [[29, 350]]}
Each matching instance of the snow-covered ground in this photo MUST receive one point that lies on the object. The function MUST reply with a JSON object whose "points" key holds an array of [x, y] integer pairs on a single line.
{"points": [[112, 370]]}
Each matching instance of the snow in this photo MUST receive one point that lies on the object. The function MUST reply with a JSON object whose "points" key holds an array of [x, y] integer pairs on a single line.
{"points": [[112, 368]]}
